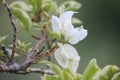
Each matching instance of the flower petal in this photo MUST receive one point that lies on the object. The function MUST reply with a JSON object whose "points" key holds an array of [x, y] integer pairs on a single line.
{"points": [[68, 34], [67, 56], [62, 61], [74, 66], [65, 19], [77, 35], [71, 52], [56, 24]]}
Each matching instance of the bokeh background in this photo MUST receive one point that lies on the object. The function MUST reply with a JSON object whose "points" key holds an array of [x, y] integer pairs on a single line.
{"points": [[102, 20]]}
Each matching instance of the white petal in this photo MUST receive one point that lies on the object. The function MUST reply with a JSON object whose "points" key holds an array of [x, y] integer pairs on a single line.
{"points": [[68, 34], [62, 61], [68, 26], [77, 35], [65, 18], [56, 24], [74, 66], [71, 52], [67, 56]]}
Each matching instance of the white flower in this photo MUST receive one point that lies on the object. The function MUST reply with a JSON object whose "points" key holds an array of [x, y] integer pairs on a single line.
{"points": [[63, 26], [67, 57]]}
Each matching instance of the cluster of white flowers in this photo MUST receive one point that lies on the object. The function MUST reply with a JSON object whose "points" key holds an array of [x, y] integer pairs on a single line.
{"points": [[66, 55]]}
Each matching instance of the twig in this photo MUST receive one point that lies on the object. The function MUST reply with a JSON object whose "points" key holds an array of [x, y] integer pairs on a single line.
{"points": [[46, 40], [5, 68], [43, 55], [23, 68], [35, 47], [15, 31], [40, 51], [13, 66], [28, 60], [45, 28], [39, 70], [35, 37]]}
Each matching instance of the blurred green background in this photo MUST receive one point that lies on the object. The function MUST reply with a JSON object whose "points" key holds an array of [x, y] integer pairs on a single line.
{"points": [[102, 20]]}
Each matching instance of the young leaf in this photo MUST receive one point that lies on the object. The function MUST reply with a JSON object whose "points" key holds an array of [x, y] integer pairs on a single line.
{"points": [[23, 17], [116, 76], [76, 21], [39, 3], [52, 77], [2, 54], [66, 75], [22, 46], [21, 5], [54, 67], [50, 6], [2, 39], [53, 35], [34, 5], [91, 70], [77, 77], [71, 5], [106, 73]]}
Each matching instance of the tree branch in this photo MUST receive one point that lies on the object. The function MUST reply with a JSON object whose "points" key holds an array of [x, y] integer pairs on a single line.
{"points": [[12, 66], [28, 60], [42, 55], [15, 31], [5, 68], [39, 70]]}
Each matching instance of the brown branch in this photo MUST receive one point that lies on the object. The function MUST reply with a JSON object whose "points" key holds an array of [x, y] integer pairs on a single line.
{"points": [[28, 60], [46, 40], [15, 31], [13, 69], [38, 17], [39, 70], [43, 55], [13, 66], [35, 47], [40, 51]]}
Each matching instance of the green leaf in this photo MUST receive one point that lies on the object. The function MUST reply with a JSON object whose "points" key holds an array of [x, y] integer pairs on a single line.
{"points": [[21, 4], [76, 21], [2, 39], [106, 73], [23, 17], [66, 75], [47, 6], [39, 3], [91, 70], [54, 67], [116, 76], [71, 5], [2, 55], [5, 57], [77, 77], [34, 5], [50, 6], [52, 77], [22, 46], [53, 35]]}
